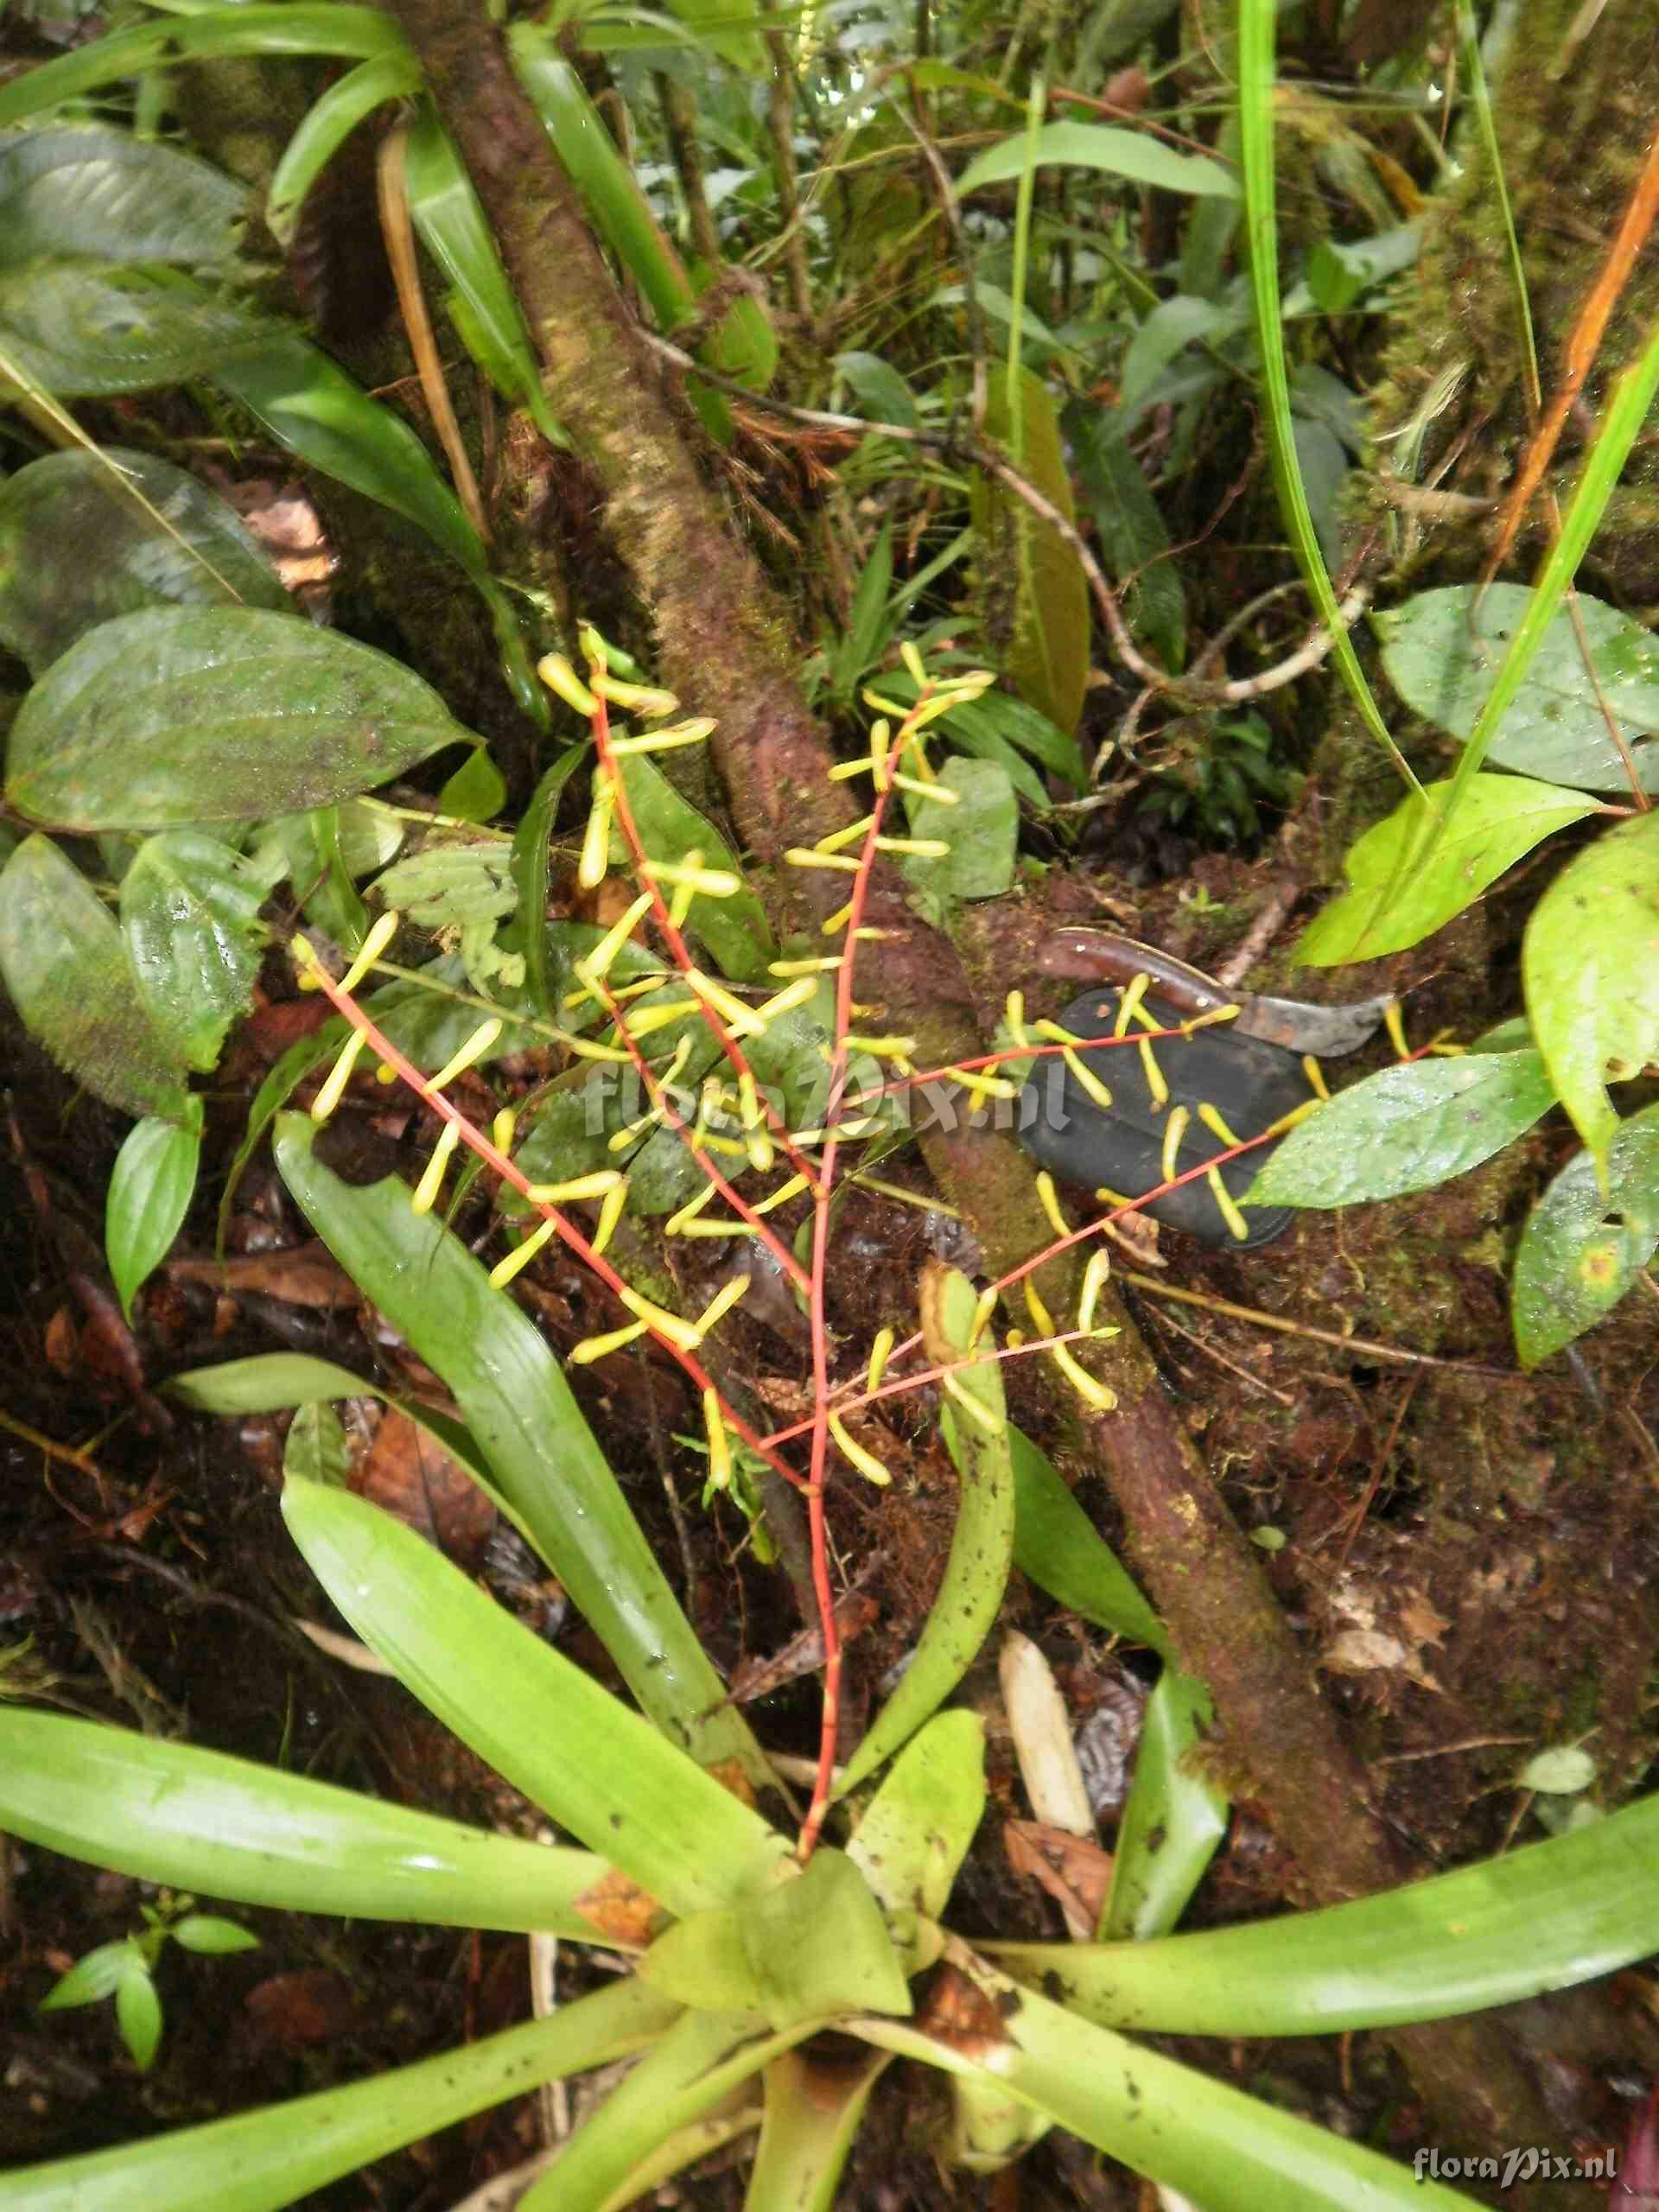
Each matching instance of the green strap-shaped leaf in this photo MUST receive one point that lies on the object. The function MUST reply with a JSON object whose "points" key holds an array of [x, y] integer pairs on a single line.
{"points": [[1407, 1128], [810, 2120], [151, 1185], [1582, 1248], [981, 1544], [1033, 594], [1174, 1820], [1223, 2150], [67, 968], [914, 1834], [1498, 821], [178, 715], [529, 843], [1547, 1916], [1100, 146], [518, 1407], [601, 1770], [261, 2160], [353, 33], [1059, 1547], [197, 1820], [1589, 961], [325, 127]]}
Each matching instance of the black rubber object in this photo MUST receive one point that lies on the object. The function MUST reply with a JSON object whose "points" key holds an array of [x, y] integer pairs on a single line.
{"points": [[1251, 1083]]}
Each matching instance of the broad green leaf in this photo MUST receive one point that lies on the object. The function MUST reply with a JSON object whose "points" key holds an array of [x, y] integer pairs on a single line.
{"points": [[735, 930], [1174, 1820], [111, 197], [1548, 1916], [1033, 595], [1590, 964], [1396, 898], [1406, 1129], [1134, 537], [914, 1834], [306, 848], [1100, 146], [518, 1407], [1582, 1248], [190, 915], [476, 791], [1442, 650], [807, 1948], [1167, 332], [138, 2012], [1214, 2144], [151, 1185], [452, 224], [355, 33], [280, 2153], [601, 1769], [982, 830], [315, 1449], [878, 387], [981, 1544], [742, 344], [161, 536], [325, 127], [196, 1819], [178, 715], [809, 2120], [72, 983], [269, 1382], [530, 843], [85, 329], [1057, 1545], [1339, 274]]}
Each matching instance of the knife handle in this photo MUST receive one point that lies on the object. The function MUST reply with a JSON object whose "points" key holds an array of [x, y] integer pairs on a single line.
{"points": [[1085, 956]]}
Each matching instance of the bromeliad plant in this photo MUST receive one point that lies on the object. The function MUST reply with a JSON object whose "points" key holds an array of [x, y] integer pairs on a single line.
{"points": [[748, 1937]]}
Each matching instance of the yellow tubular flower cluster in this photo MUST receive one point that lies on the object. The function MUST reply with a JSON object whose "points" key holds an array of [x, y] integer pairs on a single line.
{"points": [[431, 1182], [720, 1449], [1051, 1204], [1315, 1074], [1094, 1278], [1174, 1129], [379, 937], [521, 1256], [1226, 1206], [561, 678], [339, 1076], [853, 1452], [880, 1352], [1215, 1123]]}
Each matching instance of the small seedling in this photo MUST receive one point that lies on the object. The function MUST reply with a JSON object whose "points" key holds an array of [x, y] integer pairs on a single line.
{"points": [[126, 1969]]}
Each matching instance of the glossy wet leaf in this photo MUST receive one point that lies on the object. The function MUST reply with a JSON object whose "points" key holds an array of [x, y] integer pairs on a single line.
{"points": [[354, 33], [1407, 1128], [66, 967], [178, 715], [735, 930], [543, 1454], [601, 1769], [1103, 147], [162, 537], [477, 790], [1442, 650], [84, 329], [190, 915], [810, 1947], [1057, 1545], [1582, 1248], [283, 2152], [1174, 1820], [1548, 1916], [1590, 963], [1033, 596], [451, 222], [324, 128], [982, 1543], [1403, 884], [111, 197], [197, 1820], [150, 1187], [982, 830]]}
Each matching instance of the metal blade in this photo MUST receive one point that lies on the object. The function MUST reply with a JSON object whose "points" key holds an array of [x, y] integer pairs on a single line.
{"points": [[1328, 1031]]}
